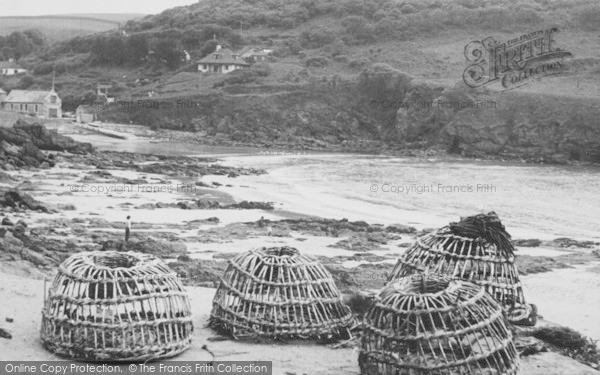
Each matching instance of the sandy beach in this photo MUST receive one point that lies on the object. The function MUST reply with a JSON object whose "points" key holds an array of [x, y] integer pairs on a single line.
{"points": [[92, 195]]}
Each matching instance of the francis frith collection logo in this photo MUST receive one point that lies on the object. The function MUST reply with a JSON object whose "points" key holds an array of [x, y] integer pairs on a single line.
{"points": [[516, 62]]}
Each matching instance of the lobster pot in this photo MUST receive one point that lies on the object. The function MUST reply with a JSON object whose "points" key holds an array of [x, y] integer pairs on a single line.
{"points": [[279, 293], [431, 324], [474, 258], [109, 306]]}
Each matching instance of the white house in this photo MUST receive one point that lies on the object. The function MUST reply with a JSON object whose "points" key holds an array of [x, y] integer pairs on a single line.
{"points": [[40, 103], [9, 68], [222, 61]]}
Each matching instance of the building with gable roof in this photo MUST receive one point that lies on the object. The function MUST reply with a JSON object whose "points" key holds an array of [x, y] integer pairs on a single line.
{"points": [[40, 103], [9, 68], [223, 60]]}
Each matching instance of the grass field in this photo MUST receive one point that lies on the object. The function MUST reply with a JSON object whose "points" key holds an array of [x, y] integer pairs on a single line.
{"points": [[61, 27]]}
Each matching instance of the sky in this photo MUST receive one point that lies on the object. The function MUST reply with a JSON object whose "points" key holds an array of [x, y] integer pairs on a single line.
{"points": [[46, 7]]}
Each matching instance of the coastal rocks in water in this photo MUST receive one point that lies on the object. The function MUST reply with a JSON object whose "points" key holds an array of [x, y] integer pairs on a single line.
{"points": [[202, 204], [528, 243], [249, 205], [332, 227], [210, 220], [568, 242], [15, 199]]}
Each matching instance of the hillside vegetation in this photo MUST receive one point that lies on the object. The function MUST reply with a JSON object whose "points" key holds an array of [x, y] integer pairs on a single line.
{"points": [[322, 46]]}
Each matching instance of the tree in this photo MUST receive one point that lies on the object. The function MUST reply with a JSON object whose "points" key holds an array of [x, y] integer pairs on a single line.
{"points": [[137, 48], [166, 50]]}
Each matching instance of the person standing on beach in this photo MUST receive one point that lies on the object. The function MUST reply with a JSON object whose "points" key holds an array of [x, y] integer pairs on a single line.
{"points": [[127, 228]]}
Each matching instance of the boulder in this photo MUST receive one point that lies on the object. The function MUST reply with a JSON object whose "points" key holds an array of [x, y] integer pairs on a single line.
{"points": [[35, 258], [14, 198], [7, 221]]}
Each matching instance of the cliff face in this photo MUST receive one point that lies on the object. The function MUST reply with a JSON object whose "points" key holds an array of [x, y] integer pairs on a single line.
{"points": [[385, 108], [537, 127]]}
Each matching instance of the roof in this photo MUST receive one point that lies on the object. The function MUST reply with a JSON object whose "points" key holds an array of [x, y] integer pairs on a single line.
{"points": [[26, 96], [246, 50], [225, 57], [9, 65], [2, 91]]}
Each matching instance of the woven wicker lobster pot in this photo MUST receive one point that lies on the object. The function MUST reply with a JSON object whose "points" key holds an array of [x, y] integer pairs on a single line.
{"points": [[434, 325], [109, 306], [474, 259], [279, 293]]}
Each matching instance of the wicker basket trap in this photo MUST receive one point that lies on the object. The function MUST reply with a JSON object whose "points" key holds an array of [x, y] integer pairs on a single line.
{"points": [[434, 325], [279, 293], [109, 306], [477, 249]]}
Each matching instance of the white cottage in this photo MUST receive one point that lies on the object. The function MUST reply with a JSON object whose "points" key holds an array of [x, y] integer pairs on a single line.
{"points": [[10, 68], [221, 61]]}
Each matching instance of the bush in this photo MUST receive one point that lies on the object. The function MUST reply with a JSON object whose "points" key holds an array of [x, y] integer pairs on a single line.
{"points": [[589, 18], [26, 82], [316, 62], [315, 39], [43, 69]]}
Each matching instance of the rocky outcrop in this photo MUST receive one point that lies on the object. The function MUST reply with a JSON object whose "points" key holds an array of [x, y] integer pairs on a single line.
{"points": [[24, 132], [21, 145], [19, 200], [386, 110]]}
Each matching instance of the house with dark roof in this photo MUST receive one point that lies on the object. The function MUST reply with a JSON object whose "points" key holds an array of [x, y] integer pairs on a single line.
{"points": [[221, 61], [254, 54], [9, 68], [40, 103]]}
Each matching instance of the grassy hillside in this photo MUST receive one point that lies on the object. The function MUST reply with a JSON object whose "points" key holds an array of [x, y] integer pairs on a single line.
{"points": [[62, 27], [318, 43]]}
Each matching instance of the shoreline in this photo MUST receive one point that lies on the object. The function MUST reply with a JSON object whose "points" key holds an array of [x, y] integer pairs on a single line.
{"points": [[173, 225]]}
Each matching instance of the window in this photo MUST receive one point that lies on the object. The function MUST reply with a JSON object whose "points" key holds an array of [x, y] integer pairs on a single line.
{"points": [[226, 67], [36, 108], [20, 107], [53, 99], [205, 67]]}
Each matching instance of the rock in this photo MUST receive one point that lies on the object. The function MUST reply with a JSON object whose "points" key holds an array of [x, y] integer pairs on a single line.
{"points": [[184, 258], [15, 199], [4, 334], [9, 320], [22, 223], [399, 228], [7, 221], [146, 206], [377, 237], [35, 258], [29, 149], [161, 249], [10, 149], [199, 272], [568, 242], [11, 240], [246, 205], [528, 243], [67, 207]]}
